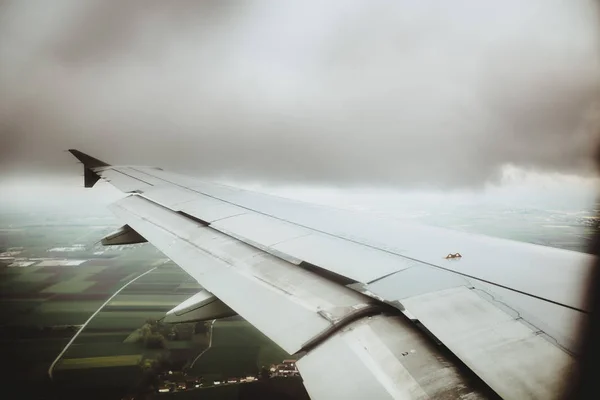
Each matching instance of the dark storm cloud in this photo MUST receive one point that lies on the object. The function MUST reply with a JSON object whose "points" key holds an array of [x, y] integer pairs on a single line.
{"points": [[382, 93]]}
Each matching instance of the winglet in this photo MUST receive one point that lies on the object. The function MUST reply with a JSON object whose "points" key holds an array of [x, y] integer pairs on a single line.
{"points": [[89, 176], [88, 161]]}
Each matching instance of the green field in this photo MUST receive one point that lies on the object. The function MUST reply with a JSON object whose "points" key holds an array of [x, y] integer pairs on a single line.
{"points": [[59, 306], [99, 362], [241, 333], [50, 319], [132, 300], [229, 361], [71, 286], [48, 313], [116, 376], [10, 309], [122, 319], [38, 350], [30, 360], [238, 349], [102, 337], [32, 277], [163, 276], [101, 349]]}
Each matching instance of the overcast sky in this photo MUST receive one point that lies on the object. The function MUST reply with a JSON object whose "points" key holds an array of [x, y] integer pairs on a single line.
{"points": [[395, 94]]}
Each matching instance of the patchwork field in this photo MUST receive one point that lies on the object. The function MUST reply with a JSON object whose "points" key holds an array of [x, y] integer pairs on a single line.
{"points": [[44, 302], [54, 277]]}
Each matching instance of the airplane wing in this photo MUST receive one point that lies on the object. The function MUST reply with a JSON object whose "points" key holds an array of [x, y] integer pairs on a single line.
{"points": [[374, 308]]}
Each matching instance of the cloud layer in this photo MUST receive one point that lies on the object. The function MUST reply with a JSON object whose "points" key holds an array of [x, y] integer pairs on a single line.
{"points": [[398, 94]]}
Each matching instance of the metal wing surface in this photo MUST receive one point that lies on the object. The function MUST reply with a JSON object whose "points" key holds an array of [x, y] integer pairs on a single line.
{"points": [[359, 297]]}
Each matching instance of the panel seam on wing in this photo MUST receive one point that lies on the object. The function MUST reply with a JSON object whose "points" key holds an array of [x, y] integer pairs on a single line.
{"points": [[224, 260], [378, 248], [526, 322]]}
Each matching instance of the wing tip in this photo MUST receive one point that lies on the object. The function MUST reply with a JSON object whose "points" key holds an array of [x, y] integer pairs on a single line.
{"points": [[89, 162]]}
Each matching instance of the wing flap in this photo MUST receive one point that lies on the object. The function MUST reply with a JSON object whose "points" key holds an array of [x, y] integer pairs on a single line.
{"points": [[383, 357], [510, 357], [202, 306], [124, 235], [255, 284], [500, 342]]}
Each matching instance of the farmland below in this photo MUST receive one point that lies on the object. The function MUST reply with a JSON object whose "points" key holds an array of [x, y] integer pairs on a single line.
{"points": [[55, 277]]}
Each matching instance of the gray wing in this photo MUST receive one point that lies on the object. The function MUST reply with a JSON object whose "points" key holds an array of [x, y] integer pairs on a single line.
{"points": [[355, 295]]}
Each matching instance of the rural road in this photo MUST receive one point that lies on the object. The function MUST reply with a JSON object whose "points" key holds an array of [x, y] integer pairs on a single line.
{"points": [[92, 317], [209, 343]]}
